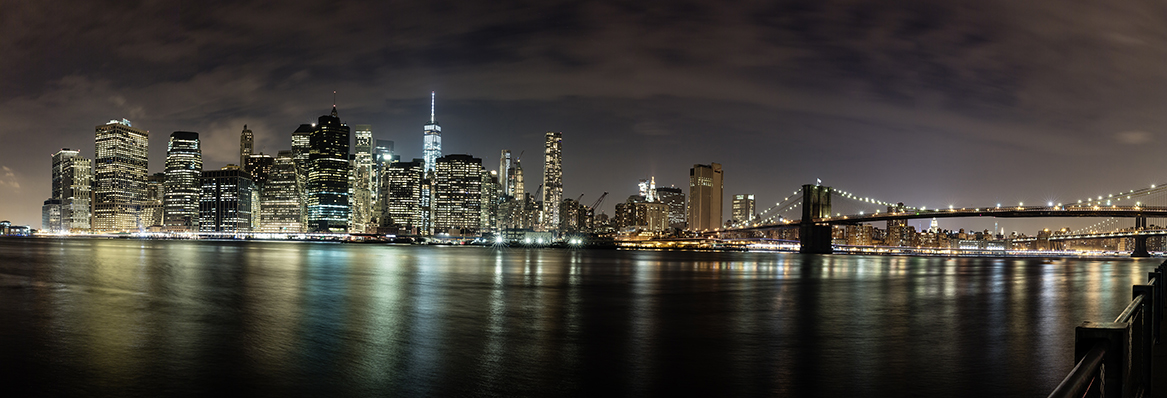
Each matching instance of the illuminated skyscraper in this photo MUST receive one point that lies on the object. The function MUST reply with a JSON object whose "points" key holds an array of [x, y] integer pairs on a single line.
{"points": [[457, 203], [258, 165], [328, 174], [552, 179], [742, 209], [184, 167], [401, 190], [504, 173], [432, 141], [225, 203], [152, 208], [246, 146], [519, 188], [121, 160], [363, 182], [73, 187], [705, 190], [280, 208], [675, 199], [302, 146]]}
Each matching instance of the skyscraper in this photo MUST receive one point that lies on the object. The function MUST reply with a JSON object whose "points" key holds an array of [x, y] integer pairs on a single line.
{"points": [[302, 146], [152, 209], [432, 141], [675, 199], [328, 172], [73, 187], [184, 167], [457, 203], [504, 173], [280, 199], [363, 181], [121, 158], [705, 189], [246, 145], [401, 190], [225, 203], [552, 179], [742, 210], [258, 165], [518, 188]]}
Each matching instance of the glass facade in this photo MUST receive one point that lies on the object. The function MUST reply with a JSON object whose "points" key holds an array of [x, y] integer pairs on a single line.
{"points": [[328, 176], [120, 164], [552, 179], [73, 187], [401, 190], [280, 207], [184, 167], [432, 140], [364, 178], [225, 203], [457, 202]]}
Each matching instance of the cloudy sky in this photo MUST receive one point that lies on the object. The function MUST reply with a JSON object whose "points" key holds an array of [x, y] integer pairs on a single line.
{"points": [[927, 102]]}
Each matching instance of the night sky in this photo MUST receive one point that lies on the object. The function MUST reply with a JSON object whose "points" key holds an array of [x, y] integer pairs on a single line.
{"points": [[927, 102]]}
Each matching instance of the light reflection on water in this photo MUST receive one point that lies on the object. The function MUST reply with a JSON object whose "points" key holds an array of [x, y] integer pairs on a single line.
{"points": [[150, 318]]}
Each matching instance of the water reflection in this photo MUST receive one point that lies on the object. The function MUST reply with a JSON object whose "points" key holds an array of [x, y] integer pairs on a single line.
{"points": [[149, 318]]}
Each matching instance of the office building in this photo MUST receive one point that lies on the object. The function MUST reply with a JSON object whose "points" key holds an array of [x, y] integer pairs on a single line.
{"points": [[258, 165], [51, 221], [280, 200], [119, 186], [363, 182], [152, 208], [504, 173], [401, 193], [742, 210], [457, 200], [675, 199], [328, 176], [184, 168], [73, 188], [638, 214], [246, 145], [302, 147], [705, 190], [552, 179], [432, 140], [225, 203], [490, 200]]}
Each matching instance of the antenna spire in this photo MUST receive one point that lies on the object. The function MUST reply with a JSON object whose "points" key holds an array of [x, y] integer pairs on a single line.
{"points": [[432, 95], [334, 103]]}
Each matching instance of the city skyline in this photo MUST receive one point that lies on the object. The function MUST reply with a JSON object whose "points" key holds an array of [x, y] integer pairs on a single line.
{"points": [[969, 98]]}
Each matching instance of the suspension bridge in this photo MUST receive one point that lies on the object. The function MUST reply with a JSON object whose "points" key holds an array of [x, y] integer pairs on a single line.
{"points": [[815, 222]]}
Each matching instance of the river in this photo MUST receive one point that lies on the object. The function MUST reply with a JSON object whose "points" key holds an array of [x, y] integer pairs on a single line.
{"points": [[123, 317]]}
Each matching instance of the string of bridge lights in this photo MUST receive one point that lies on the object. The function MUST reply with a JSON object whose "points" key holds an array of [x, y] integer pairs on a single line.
{"points": [[1109, 199], [1097, 226]]}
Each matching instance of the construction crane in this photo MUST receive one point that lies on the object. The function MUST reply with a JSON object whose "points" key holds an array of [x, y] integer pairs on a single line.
{"points": [[579, 198], [596, 205]]}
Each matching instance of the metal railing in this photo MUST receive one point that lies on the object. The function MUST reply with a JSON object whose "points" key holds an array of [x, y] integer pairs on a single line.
{"points": [[1115, 359]]}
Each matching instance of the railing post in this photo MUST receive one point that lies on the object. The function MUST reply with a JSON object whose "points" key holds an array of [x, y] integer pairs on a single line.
{"points": [[1141, 340], [1116, 365]]}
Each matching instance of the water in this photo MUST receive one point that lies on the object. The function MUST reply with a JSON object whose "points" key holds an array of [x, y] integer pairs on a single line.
{"points": [[89, 317]]}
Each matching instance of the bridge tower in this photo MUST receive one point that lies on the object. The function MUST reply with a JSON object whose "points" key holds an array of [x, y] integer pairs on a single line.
{"points": [[1140, 240], [816, 203]]}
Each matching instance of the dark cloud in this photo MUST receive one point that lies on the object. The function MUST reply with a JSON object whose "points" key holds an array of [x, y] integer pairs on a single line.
{"points": [[874, 97]]}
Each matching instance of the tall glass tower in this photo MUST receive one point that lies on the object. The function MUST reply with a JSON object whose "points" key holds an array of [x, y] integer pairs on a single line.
{"points": [[72, 185], [363, 211], [328, 173], [246, 145], [119, 186], [552, 179], [184, 167], [432, 144]]}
